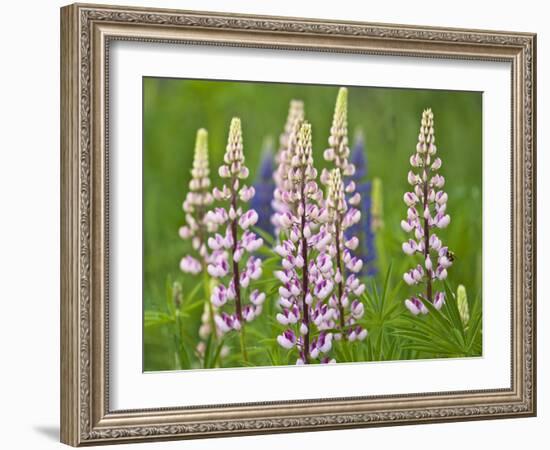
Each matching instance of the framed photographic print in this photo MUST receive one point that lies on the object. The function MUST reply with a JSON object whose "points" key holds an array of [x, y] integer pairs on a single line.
{"points": [[275, 224]]}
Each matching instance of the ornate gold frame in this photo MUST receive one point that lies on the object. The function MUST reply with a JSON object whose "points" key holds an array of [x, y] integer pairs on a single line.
{"points": [[86, 31]]}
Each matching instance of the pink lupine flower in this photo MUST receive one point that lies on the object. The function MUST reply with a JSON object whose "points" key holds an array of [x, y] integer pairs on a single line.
{"points": [[257, 298], [195, 206], [415, 306], [303, 240], [189, 264], [427, 205], [356, 333], [439, 300], [287, 339], [343, 215], [232, 263]]}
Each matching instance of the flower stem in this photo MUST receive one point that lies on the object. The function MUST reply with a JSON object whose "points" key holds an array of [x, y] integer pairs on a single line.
{"points": [[207, 294], [305, 281], [179, 363], [427, 242], [236, 276], [341, 282], [243, 344]]}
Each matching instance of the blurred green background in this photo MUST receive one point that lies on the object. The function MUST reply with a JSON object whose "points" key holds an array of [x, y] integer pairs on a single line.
{"points": [[173, 109]]}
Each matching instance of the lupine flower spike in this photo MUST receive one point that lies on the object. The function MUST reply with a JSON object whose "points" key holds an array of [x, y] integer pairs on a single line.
{"points": [[349, 308], [195, 206], [228, 263], [306, 265], [364, 228], [264, 186], [427, 205], [342, 203], [287, 140], [338, 152]]}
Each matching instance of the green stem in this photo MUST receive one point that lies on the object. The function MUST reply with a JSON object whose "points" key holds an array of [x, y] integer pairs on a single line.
{"points": [[341, 283], [179, 364], [243, 343], [427, 237], [207, 295]]}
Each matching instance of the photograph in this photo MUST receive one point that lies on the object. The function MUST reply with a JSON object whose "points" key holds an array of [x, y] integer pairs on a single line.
{"points": [[297, 224]]}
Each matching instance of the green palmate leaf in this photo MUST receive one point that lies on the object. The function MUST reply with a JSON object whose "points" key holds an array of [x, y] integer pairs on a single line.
{"points": [[272, 261], [265, 252], [442, 321], [256, 334], [169, 296], [368, 300], [185, 360], [355, 352], [207, 351], [264, 235], [392, 351], [376, 299], [380, 344], [192, 302], [474, 332], [474, 306], [431, 351], [393, 308], [273, 290], [423, 336], [271, 358], [246, 363], [252, 351], [418, 339], [216, 355], [362, 353], [266, 282], [431, 327], [343, 351], [451, 308], [385, 290], [156, 318], [368, 351], [432, 331]]}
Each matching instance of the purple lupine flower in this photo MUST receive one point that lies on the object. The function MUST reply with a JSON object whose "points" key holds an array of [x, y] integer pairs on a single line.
{"points": [[195, 206], [342, 206], [426, 212], [229, 262], [304, 242], [287, 141], [363, 230], [264, 186]]}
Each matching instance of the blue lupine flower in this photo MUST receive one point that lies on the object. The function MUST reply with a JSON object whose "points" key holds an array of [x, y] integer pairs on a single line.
{"points": [[363, 229], [264, 187]]}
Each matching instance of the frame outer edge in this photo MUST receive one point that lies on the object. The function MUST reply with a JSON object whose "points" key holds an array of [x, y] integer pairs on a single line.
{"points": [[80, 424], [533, 229], [69, 126]]}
